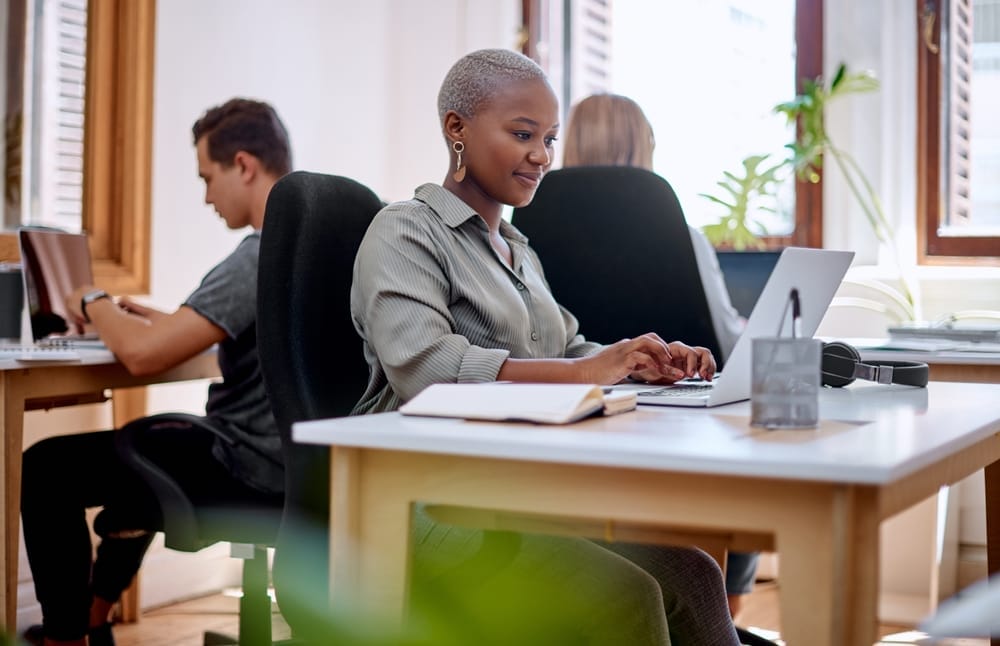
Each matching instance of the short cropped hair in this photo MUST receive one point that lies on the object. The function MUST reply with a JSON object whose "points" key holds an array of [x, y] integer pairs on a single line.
{"points": [[247, 125], [478, 77], [608, 130]]}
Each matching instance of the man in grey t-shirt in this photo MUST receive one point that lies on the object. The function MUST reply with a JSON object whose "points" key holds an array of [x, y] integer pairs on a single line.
{"points": [[242, 149]]}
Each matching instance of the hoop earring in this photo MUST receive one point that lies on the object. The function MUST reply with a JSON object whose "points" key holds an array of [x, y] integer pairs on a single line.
{"points": [[459, 174]]}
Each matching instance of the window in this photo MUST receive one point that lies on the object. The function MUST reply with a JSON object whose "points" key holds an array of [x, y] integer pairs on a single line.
{"points": [[604, 45], [115, 188], [53, 127], [958, 139]]}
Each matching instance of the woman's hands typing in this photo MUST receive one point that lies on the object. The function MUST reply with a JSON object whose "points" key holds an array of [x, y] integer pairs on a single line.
{"points": [[648, 358]]}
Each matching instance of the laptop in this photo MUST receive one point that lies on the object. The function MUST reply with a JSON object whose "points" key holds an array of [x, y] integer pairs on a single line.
{"points": [[816, 273], [53, 264]]}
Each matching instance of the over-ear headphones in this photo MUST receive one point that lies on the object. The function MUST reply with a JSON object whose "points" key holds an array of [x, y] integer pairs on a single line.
{"points": [[841, 365]]}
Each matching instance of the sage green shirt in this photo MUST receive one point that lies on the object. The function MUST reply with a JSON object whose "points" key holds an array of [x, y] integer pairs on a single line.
{"points": [[434, 302]]}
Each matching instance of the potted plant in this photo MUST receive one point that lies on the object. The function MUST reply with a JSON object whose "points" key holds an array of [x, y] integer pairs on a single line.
{"points": [[742, 197], [813, 143]]}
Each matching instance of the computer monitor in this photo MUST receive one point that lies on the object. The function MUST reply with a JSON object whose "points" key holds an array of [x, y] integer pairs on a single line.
{"points": [[746, 273]]}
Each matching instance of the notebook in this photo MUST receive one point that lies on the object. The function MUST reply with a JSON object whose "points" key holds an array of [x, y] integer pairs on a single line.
{"points": [[816, 273], [53, 264], [501, 401]]}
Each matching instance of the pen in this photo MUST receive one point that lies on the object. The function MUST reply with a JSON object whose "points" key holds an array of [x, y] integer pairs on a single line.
{"points": [[796, 314]]}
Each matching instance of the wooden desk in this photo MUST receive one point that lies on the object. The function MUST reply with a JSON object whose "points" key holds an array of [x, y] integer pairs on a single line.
{"points": [[817, 497], [28, 386]]}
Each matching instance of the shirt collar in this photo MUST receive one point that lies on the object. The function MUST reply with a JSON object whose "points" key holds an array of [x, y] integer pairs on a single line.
{"points": [[454, 212]]}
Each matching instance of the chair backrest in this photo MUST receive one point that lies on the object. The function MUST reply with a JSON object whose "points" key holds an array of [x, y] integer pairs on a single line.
{"points": [[617, 254], [311, 358]]}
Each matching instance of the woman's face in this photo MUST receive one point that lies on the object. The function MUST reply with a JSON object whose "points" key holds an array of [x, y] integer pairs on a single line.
{"points": [[508, 143]]}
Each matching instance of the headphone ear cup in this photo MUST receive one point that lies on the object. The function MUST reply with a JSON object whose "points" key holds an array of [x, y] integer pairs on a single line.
{"points": [[838, 363]]}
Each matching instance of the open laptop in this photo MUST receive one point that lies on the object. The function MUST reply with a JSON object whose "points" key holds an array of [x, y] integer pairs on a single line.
{"points": [[53, 264], [816, 273]]}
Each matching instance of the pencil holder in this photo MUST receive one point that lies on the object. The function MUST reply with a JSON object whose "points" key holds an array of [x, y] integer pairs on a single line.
{"points": [[785, 383]]}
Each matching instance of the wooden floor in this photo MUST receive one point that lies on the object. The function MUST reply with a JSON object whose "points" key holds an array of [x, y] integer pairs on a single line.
{"points": [[182, 624]]}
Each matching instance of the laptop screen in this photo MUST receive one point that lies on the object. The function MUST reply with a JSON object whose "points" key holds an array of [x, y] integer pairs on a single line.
{"points": [[746, 273], [53, 264]]}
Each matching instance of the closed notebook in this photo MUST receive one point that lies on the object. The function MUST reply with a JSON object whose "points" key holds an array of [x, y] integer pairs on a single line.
{"points": [[541, 403]]}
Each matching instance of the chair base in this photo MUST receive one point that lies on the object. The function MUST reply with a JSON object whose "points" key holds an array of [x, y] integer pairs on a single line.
{"points": [[255, 604], [213, 638]]}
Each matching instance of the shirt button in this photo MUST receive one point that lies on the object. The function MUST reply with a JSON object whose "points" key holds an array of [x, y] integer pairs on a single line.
{"points": [[520, 287], [534, 336]]}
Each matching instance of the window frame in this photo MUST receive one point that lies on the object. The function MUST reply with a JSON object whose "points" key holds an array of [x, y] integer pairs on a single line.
{"points": [[932, 248], [117, 143]]}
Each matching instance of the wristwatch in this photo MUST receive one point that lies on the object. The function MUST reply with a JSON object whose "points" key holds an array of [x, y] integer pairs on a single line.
{"points": [[89, 298]]}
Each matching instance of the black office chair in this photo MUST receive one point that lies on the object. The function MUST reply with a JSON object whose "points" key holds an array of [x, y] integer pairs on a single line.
{"points": [[617, 254], [313, 367], [190, 526]]}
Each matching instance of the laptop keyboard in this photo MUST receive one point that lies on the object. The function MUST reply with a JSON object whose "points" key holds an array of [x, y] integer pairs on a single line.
{"points": [[676, 391], [38, 353]]}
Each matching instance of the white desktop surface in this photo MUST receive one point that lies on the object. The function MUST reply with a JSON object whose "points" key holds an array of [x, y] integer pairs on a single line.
{"points": [[869, 434], [816, 496], [85, 356]]}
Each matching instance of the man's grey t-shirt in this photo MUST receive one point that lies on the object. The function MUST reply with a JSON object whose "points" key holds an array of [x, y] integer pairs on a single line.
{"points": [[238, 405]]}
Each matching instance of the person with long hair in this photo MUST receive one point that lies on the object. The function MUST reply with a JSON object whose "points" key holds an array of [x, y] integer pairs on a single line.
{"points": [[612, 130]]}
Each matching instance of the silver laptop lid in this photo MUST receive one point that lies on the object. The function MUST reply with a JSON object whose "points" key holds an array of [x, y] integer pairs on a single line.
{"points": [[53, 264], [817, 274]]}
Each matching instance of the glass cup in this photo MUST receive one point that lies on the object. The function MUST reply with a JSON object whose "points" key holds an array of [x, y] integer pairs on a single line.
{"points": [[785, 383]]}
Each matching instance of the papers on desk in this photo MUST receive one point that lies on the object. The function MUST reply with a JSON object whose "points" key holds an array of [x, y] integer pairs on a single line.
{"points": [[989, 334], [541, 403], [927, 345]]}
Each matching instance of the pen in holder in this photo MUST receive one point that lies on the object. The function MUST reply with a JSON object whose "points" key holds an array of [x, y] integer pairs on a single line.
{"points": [[785, 377]]}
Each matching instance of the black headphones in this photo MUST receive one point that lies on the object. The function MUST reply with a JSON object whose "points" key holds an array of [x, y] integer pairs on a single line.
{"points": [[841, 365]]}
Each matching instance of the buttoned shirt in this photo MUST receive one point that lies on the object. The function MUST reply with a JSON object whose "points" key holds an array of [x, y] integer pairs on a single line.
{"points": [[434, 302]]}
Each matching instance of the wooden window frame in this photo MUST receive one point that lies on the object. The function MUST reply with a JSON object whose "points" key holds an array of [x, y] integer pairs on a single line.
{"points": [[117, 143], [808, 231], [932, 248]]}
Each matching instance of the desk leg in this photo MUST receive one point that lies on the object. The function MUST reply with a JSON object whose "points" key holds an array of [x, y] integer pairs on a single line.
{"points": [[12, 416], [369, 537], [829, 570], [992, 473]]}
